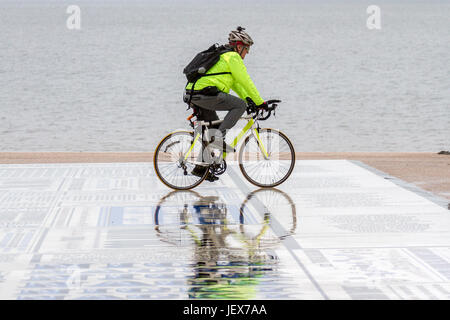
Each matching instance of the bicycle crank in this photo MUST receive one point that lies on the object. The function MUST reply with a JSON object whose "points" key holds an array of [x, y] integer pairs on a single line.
{"points": [[218, 168]]}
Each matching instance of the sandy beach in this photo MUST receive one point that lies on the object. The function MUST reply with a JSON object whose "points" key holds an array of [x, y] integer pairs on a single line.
{"points": [[428, 171]]}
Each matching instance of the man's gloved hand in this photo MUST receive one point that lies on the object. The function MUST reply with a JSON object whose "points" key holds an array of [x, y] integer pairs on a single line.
{"points": [[251, 106], [263, 106]]}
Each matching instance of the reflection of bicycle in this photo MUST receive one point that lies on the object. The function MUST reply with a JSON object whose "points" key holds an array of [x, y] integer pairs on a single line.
{"points": [[266, 157], [261, 210], [230, 258], [268, 202]]}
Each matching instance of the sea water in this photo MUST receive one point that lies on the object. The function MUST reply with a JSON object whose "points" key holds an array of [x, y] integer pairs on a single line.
{"points": [[116, 82]]}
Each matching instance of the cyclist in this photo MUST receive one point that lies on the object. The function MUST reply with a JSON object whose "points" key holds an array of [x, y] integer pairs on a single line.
{"points": [[211, 93]]}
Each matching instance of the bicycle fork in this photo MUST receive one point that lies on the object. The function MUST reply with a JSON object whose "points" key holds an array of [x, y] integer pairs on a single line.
{"points": [[255, 133]]}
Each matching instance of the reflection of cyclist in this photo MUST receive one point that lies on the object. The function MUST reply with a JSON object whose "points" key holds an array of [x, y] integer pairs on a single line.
{"points": [[231, 260], [210, 212], [226, 264], [211, 93], [222, 270]]}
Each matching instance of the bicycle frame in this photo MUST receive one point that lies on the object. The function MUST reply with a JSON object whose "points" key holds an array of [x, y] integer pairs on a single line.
{"points": [[249, 126]]}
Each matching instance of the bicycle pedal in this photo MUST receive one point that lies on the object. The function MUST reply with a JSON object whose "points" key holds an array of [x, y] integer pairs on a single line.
{"points": [[211, 178], [218, 169]]}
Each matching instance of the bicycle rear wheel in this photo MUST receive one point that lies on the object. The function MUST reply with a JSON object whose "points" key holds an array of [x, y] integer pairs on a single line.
{"points": [[269, 163], [170, 164]]}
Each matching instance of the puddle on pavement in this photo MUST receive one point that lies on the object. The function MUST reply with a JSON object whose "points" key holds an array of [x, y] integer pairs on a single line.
{"points": [[232, 245]]}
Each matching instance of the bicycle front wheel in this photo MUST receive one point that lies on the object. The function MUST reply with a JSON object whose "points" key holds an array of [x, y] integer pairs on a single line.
{"points": [[267, 158], [175, 159]]}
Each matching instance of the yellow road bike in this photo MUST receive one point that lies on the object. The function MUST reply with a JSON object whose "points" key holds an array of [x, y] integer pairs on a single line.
{"points": [[266, 157]]}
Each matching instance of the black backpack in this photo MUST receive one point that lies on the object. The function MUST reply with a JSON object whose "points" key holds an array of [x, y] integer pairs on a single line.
{"points": [[203, 61]]}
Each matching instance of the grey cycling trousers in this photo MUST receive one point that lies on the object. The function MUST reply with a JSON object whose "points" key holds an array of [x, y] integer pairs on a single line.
{"points": [[222, 102]]}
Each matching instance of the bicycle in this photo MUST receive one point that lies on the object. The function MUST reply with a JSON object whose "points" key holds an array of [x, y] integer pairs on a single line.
{"points": [[266, 157]]}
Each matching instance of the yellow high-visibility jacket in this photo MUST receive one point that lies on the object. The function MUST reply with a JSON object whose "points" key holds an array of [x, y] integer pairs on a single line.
{"points": [[239, 81]]}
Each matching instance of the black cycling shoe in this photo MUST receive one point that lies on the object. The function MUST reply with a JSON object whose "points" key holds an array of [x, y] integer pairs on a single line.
{"points": [[211, 177], [199, 171]]}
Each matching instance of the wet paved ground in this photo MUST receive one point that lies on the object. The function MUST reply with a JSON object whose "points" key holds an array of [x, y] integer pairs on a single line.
{"points": [[334, 230]]}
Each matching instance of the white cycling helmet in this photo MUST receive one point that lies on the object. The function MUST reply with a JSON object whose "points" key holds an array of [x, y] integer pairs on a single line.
{"points": [[239, 36]]}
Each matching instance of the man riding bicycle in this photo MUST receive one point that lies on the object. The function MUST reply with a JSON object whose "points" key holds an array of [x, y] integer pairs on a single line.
{"points": [[211, 93]]}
